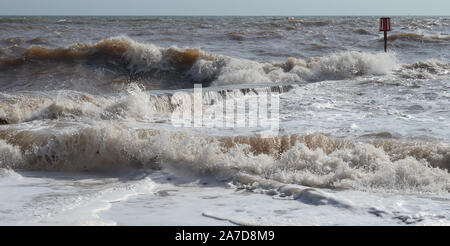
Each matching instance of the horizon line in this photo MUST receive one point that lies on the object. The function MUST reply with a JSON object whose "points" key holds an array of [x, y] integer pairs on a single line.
{"points": [[176, 15]]}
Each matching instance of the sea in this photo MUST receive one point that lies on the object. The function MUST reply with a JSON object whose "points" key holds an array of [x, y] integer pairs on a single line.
{"points": [[224, 120]]}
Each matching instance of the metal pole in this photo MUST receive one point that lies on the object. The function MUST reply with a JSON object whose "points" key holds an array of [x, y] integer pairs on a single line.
{"points": [[385, 41]]}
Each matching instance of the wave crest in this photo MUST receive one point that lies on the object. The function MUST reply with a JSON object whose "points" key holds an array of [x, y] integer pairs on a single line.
{"points": [[198, 66]]}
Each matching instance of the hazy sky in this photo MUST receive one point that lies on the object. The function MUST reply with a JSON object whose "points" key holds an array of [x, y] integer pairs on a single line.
{"points": [[224, 7]]}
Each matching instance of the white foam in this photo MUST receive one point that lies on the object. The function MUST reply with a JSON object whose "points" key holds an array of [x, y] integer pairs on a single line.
{"points": [[354, 165], [224, 70], [333, 67], [10, 155], [192, 202], [45, 198]]}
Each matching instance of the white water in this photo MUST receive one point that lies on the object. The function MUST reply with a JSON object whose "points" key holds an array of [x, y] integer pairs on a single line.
{"points": [[161, 198]]}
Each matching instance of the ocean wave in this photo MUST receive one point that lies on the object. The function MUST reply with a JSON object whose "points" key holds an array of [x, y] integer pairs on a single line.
{"points": [[318, 23], [428, 69], [197, 66], [362, 31], [423, 38], [254, 34], [133, 103], [17, 41], [312, 160]]}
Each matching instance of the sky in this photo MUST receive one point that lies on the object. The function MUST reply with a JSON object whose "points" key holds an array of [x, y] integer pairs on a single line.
{"points": [[225, 7]]}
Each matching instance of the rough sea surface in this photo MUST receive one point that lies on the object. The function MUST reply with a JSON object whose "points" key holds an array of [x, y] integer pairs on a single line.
{"points": [[87, 133]]}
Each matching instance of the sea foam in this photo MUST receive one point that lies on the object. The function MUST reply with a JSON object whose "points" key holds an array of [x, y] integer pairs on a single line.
{"points": [[312, 160]]}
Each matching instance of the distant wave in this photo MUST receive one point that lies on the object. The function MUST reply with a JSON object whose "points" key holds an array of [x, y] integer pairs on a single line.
{"points": [[18, 41], [263, 35], [418, 37], [364, 32], [310, 22]]}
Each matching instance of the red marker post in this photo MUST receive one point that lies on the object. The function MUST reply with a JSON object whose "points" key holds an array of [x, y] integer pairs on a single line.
{"points": [[385, 26]]}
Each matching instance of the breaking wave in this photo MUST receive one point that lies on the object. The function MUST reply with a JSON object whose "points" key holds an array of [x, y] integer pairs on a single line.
{"points": [[197, 66], [423, 38], [134, 103], [313, 160]]}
